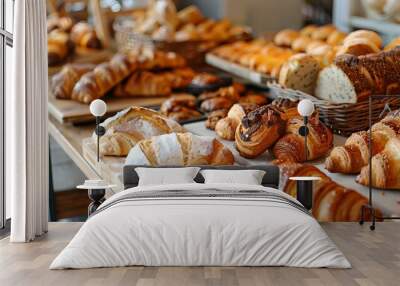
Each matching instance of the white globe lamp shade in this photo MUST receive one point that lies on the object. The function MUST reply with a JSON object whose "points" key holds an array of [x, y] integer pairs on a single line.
{"points": [[305, 107], [98, 107]]}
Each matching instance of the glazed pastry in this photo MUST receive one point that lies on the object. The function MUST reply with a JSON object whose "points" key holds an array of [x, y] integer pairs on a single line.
{"points": [[58, 47], [62, 83], [163, 60], [204, 79], [130, 126], [350, 158], [216, 103], [322, 33], [300, 72], [286, 37], [290, 148], [336, 38], [231, 92], [180, 107], [331, 201], [258, 131], [170, 105], [180, 149], [214, 117], [308, 30], [83, 35], [226, 127], [144, 83], [385, 168], [365, 34], [103, 78], [300, 44]]}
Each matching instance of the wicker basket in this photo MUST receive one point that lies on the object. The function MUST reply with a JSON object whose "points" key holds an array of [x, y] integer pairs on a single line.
{"points": [[343, 119], [193, 51]]}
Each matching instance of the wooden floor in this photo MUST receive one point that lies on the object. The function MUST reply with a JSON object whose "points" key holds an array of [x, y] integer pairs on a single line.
{"points": [[375, 257]]}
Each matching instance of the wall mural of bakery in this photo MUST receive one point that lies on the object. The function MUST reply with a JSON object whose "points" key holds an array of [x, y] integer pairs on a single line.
{"points": [[182, 88]]}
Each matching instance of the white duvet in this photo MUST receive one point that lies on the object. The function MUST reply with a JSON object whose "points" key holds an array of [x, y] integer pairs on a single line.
{"points": [[200, 231]]}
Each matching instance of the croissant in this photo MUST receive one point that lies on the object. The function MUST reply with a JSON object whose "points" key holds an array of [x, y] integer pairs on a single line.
{"points": [[291, 146], [83, 35], [259, 130], [104, 77], [180, 149], [58, 47], [130, 126], [350, 158], [63, 82], [144, 83], [331, 201], [226, 127], [385, 167]]}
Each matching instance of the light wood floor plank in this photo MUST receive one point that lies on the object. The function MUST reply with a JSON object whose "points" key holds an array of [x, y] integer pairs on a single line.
{"points": [[375, 257]]}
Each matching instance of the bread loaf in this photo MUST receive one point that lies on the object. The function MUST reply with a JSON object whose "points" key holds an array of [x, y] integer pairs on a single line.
{"points": [[351, 79], [180, 149], [300, 72], [130, 126]]}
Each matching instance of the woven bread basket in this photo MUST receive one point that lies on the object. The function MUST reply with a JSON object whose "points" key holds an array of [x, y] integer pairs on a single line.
{"points": [[343, 119]]}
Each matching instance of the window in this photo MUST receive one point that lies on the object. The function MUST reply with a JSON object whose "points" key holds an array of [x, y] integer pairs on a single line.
{"points": [[6, 43]]}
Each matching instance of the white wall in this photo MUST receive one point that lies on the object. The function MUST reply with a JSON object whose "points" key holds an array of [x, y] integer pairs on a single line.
{"points": [[261, 15]]}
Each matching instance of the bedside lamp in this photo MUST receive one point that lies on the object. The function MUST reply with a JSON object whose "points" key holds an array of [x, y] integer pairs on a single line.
{"points": [[98, 108], [305, 109]]}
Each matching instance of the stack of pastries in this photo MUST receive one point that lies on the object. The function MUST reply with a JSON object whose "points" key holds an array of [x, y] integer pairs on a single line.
{"points": [[163, 22], [353, 157], [64, 35], [124, 75], [331, 201]]}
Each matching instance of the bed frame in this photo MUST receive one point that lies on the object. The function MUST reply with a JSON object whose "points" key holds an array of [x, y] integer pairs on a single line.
{"points": [[271, 178]]}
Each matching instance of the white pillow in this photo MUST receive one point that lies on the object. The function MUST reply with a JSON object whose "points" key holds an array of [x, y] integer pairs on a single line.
{"points": [[244, 177], [166, 176]]}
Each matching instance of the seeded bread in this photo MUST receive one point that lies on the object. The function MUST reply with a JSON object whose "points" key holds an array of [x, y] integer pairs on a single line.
{"points": [[351, 79], [300, 72]]}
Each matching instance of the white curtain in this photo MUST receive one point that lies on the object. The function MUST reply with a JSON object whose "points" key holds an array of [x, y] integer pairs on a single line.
{"points": [[26, 124]]}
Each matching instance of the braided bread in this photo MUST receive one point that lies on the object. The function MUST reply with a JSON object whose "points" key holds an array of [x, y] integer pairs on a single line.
{"points": [[103, 78], [63, 82]]}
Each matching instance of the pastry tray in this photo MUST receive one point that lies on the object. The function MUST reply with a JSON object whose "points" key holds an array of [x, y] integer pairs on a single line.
{"points": [[257, 78]]}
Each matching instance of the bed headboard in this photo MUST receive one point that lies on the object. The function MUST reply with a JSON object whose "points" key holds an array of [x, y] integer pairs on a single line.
{"points": [[271, 178]]}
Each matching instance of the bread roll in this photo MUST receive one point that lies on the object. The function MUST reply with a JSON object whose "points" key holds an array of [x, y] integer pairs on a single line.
{"points": [[394, 43], [358, 47], [365, 34], [300, 44], [286, 37], [336, 38], [308, 30], [322, 33]]}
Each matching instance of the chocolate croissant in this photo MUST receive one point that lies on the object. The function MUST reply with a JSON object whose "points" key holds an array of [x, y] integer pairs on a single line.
{"points": [[259, 130], [291, 146]]}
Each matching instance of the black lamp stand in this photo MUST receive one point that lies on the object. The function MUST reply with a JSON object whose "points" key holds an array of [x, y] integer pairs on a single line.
{"points": [[100, 131]]}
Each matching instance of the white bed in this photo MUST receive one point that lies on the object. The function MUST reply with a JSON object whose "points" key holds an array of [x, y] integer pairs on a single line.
{"points": [[258, 226]]}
